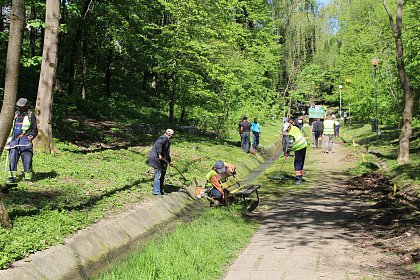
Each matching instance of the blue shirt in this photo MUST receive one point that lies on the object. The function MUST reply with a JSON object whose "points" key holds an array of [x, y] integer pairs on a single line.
{"points": [[256, 127]]}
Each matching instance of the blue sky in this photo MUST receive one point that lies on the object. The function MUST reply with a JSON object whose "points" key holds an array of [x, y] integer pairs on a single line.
{"points": [[323, 1]]}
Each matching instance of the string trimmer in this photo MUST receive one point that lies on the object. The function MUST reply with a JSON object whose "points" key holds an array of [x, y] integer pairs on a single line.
{"points": [[6, 164]]}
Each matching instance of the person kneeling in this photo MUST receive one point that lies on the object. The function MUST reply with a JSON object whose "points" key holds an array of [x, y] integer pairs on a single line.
{"points": [[218, 195]]}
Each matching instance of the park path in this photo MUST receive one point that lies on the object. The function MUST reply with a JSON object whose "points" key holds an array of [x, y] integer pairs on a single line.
{"points": [[307, 235]]}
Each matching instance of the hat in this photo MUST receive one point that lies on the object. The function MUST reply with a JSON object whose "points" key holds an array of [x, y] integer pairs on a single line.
{"points": [[22, 102], [169, 132], [285, 126], [219, 166]]}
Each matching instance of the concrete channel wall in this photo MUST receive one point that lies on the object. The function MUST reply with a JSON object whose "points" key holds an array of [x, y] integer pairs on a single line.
{"points": [[91, 250]]}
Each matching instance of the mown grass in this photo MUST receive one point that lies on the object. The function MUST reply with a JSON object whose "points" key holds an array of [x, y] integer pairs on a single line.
{"points": [[76, 187], [198, 250]]}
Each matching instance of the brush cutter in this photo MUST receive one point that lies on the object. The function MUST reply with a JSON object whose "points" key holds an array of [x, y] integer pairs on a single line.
{"points": [[6, 164]]}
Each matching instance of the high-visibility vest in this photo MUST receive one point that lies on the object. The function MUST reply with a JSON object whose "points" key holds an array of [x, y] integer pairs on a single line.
{"points": [[300, 141], [210, 174], [328, 127], [26, 123]]}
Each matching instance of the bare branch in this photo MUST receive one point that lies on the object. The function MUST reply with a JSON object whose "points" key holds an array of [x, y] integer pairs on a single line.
{"points": [[391, 19]]}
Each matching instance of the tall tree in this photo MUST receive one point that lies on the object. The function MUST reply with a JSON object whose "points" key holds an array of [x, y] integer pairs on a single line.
{"points": [[17, 23], [43, 110], [404, 145]]}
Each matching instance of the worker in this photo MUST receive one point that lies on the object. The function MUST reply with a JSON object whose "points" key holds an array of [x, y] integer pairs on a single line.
{"points": [[296, 143], [328, 133], [217, 193], [24, 131], [159, 158]]}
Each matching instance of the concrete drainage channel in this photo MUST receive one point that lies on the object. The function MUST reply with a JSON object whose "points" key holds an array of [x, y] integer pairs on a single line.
{"points": [[91, 251]]}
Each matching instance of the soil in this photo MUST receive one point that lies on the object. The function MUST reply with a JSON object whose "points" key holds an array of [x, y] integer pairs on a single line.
{"points": [[389, 222]]}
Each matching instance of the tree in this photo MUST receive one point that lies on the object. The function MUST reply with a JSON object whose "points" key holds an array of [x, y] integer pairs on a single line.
{"points": [[396, 27], [43, 110], [17, 23]]}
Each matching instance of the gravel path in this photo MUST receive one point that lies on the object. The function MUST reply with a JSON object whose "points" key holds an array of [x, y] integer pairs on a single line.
{"points": [[306, 236]]}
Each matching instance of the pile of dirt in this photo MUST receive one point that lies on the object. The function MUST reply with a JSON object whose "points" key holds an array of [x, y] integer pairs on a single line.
{"points": [[389, 221]]}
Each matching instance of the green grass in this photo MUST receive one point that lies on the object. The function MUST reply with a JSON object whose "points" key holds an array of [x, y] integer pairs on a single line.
{"points": [[198, 250], [384, 149], [74, 187]]}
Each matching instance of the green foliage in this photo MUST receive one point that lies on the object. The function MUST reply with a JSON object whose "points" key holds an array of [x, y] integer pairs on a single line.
{"points": [[361, 32], [193, 251]]}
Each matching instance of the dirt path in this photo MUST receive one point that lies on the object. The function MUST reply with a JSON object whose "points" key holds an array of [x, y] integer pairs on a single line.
{"points": [[307, 236]]}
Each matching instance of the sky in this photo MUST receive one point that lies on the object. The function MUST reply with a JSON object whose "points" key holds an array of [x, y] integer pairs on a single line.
{"points": [[323, 1]]}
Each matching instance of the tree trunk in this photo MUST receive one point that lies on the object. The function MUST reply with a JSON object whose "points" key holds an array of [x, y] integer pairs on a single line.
{"points": [[75, 52], [404, 145], [84, 70], [173, 95], [43, 110], [32, 31], [108, 73], [17, 23]]}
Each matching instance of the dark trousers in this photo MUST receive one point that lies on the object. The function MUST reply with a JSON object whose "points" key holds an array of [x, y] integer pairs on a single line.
{"points": [[25, 152], [245, 141], [299, 162], [255, 139], [317, 134]]}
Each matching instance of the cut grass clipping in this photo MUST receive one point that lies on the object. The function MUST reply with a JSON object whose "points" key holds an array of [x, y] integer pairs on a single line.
{"points": [[199, 250]]}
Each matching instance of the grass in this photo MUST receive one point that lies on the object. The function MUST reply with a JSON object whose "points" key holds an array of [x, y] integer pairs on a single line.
{"points": [[76, 187], [209, 243], [198, 250], [384, 151]]}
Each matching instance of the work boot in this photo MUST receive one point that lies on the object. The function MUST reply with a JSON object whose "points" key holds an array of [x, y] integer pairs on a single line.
{"points": [[298, 180], [12, 178], [27, 176], [11, 181]]}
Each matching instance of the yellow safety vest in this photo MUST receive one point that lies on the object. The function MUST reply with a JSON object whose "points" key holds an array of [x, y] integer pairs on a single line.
{"points": [[300, 141], [328, 127]]}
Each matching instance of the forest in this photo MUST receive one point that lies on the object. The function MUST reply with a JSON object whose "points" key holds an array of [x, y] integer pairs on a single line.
{"points": [[104, 78], [205, 63]]}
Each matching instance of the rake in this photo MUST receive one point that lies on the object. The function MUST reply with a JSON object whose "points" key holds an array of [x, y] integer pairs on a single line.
{"points": [[279, 176]]}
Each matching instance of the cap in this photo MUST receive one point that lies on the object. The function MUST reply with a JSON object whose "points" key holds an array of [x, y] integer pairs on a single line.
{"points": [[219, 166], [169, 132], [285, 126], [22, 102]]}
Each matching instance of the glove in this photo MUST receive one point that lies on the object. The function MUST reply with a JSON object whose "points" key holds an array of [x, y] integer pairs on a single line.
{"points": [[286, 155]]}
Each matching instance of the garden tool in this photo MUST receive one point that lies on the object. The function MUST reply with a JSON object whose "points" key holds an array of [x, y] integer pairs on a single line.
{"points": [[6, 164], [180, 173], [279, 176]]}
